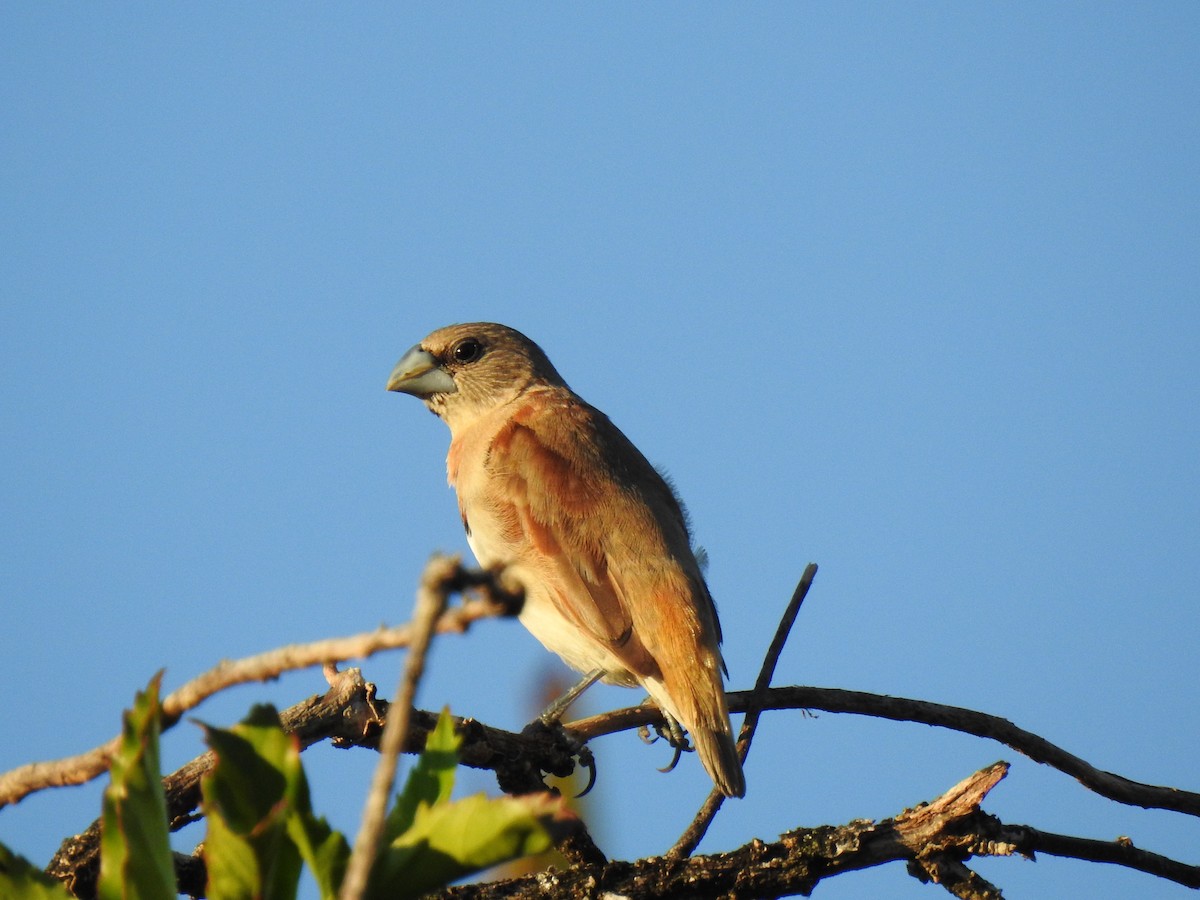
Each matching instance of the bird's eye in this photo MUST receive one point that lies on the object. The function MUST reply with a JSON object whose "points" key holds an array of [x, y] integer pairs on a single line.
{"points": [[467, 350]]}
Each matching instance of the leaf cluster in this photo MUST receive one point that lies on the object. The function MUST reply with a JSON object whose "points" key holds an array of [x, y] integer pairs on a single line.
{"points": [[262, 830]]}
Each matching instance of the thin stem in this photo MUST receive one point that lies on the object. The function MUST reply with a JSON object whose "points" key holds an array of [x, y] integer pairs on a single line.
{"points": [[431, 600]]}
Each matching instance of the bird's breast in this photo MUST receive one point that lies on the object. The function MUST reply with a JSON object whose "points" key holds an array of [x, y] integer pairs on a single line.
{"points": [[489, 513]]}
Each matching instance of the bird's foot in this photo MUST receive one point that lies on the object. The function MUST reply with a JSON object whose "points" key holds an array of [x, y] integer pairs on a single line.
{"points": [[575, 747], [672, 732]]}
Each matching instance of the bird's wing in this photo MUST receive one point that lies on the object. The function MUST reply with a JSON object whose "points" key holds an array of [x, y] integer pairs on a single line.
{"points": [[605, 529], [557, 495]]}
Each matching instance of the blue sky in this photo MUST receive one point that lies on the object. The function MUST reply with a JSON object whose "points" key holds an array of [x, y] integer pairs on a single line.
{"points": [[906, 290]]}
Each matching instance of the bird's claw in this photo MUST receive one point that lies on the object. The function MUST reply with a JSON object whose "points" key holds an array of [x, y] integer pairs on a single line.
{"points": [[588, 761], [577, 748], [674, 760], [672, 732]]}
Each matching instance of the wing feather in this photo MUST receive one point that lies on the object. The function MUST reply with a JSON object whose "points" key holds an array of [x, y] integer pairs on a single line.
{"points": [[606, 580]]}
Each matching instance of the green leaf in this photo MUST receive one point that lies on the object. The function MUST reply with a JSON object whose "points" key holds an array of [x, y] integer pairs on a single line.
{"points": [[431, 780], [135, 853], [451, 840], [22, 880], [431, 841], [324, 850], [250, 795]]}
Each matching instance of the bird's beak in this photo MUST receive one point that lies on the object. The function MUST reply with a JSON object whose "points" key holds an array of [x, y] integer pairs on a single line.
{"points": [[418, 374]]}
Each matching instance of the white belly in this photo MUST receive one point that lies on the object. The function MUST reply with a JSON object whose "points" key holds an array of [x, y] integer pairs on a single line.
{"points": [[541, 617]]}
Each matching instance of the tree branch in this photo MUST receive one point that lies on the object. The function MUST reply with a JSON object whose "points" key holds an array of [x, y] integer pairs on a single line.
{"points": [[494, 601], [1120, 852], [969, 721], [899, 709], [350, 715], [934, 839]]}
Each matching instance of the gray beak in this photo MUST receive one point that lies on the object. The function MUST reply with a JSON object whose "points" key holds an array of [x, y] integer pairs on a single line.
{"points": [[418, 374]]}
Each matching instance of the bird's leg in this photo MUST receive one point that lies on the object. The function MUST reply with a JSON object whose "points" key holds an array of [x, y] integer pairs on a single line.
{"points": [[552, 713], [676, 736], [550, 721]]}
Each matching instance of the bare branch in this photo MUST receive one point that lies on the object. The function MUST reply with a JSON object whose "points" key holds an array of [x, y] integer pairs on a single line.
{"points": [[899, 709], [969, 721], [25, 780], [1119, 852]]}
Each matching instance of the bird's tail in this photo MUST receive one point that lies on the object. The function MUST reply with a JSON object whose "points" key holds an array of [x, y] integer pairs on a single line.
{"points": [[719, 754], [699, 705]]}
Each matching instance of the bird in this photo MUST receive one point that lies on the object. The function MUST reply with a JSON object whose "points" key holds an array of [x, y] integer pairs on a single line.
{"points": [[554, 494]]}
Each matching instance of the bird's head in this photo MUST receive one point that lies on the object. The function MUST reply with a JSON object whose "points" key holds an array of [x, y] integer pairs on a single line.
{"points": [[461, 371]]}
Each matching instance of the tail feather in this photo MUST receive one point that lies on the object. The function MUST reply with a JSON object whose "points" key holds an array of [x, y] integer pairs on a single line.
{"points": [[700, 707], [718, 753]]}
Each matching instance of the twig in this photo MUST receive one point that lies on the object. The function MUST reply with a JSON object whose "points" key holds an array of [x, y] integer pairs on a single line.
{"points": [[25, 780], [1120, 852], [431, 601], [695, 832]]}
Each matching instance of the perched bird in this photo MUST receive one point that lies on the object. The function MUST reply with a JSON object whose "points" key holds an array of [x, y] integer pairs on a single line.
{"points": [[550, 489]]}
